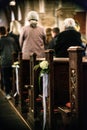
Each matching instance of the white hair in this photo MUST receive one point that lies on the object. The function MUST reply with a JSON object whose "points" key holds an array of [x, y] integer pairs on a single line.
{"points": [[69, 22]]}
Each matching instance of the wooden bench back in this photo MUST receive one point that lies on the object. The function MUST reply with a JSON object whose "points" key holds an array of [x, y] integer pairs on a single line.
{"points": [[24, 81]]}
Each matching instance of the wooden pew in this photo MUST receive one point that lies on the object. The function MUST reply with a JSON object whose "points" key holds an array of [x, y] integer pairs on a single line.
{"points": [[76, 115], [72, 88], [15, 98], [21, 100], [78, 87], [24, 81], [35, 103], [59, 87]]}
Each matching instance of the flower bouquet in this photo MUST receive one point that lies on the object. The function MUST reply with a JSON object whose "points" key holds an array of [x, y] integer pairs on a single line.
{"points": [[44, 66], [15, 64]]}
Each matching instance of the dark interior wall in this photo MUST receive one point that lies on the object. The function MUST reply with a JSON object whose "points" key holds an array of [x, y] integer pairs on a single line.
{"points": [[80, 17], [50, 6], [6, 9], [3, 19]]}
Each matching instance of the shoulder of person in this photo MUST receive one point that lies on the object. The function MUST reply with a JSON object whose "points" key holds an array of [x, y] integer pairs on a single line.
{"points": [[26, 27], [78, 33], [61, 34], [11, 38], [41, 27]]}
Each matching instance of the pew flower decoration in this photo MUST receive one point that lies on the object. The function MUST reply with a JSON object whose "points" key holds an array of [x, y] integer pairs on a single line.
{"points": [[16, 67], [15, 64], [44, 66], [44, 70]]}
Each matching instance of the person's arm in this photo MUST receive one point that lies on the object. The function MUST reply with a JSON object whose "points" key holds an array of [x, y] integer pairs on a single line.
{"points": [[21, 38]]}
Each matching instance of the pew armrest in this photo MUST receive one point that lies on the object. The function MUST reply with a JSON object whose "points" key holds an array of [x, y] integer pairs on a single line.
{"points": [[64, 110], [28, 86], [66, 114]]}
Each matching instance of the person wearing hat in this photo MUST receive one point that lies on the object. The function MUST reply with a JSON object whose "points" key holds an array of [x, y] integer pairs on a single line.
{"points": [[32, 37]]}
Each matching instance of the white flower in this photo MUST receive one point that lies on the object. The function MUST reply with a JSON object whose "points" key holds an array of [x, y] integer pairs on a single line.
{"points": [[15, 64], [44, 69], [44, 64]]}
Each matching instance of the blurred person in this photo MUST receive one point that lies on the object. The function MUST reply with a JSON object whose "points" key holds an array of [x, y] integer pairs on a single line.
{"points": [[55, 31], [69, 37], [14, 31], [77, 26], [48, 37], [7, 48], [32, 37], [83, 38]]}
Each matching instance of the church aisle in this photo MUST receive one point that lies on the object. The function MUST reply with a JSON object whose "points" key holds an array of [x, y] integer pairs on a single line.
{"points": [[9, 118]]}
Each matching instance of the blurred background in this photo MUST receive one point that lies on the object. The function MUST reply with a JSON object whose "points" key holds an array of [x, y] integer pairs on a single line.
{"points": [[51, 12]]}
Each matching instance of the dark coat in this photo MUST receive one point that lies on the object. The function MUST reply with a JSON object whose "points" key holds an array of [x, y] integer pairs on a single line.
{"points": [[52, 43], [66, 39], [16, 38], [7, 48]]}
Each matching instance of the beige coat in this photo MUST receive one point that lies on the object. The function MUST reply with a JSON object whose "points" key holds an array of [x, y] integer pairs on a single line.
{"points": [[32, 41]]}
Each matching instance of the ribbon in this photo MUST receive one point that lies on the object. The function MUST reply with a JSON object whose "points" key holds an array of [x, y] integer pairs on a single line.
{"points": [[17, 85], [45, 94]]}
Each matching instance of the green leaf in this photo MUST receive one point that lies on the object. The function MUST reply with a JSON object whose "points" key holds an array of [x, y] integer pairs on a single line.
{"points": [[36, 67]]}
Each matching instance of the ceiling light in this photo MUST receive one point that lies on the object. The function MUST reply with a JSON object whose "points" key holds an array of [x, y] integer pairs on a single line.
{"points": [[12, 3]]}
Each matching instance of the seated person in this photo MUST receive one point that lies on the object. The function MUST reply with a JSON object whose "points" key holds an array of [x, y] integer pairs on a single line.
{"points": [[67, 38], [55, 31]]}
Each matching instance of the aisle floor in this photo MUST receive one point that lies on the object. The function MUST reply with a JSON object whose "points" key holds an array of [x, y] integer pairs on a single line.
{"points": [[9, 118]]}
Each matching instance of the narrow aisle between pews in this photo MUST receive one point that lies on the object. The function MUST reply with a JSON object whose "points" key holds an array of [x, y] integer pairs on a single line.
{"points": [[9, 118]]}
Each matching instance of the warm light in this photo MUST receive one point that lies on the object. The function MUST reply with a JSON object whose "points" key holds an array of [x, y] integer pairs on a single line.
{"points": [[12, 3]]}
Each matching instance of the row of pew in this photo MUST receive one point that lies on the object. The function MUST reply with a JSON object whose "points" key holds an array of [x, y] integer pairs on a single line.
{"points": [[65, 102]]}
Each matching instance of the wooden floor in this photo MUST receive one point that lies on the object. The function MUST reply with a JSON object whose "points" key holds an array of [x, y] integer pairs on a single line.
{"points": [[10, 118]]}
